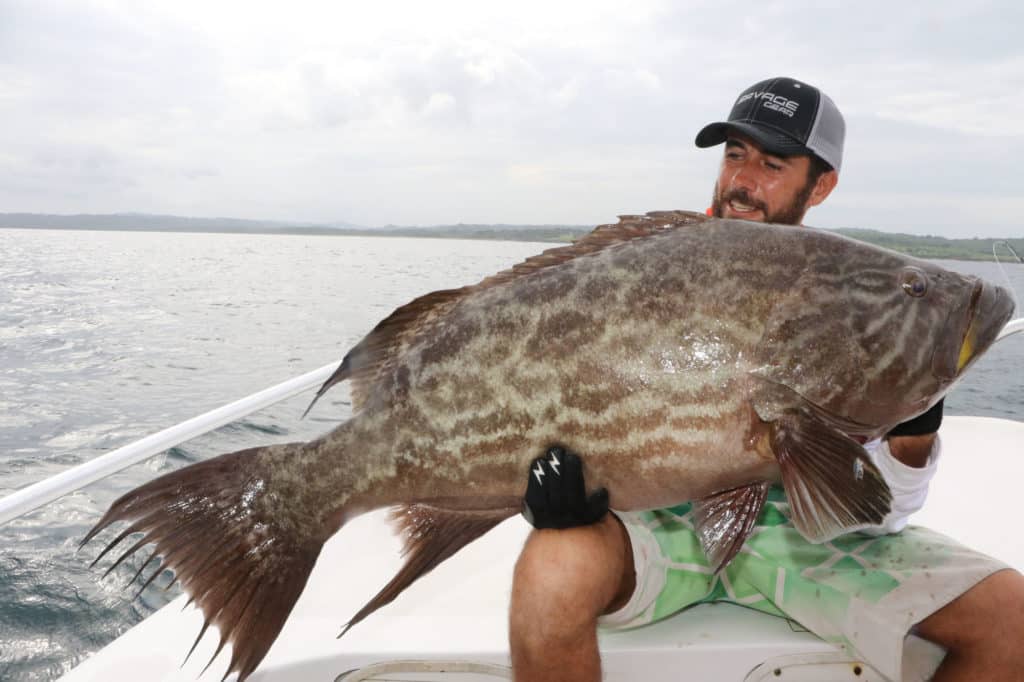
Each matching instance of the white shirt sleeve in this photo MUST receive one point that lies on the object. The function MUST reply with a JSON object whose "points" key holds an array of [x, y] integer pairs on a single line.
{"points": [[909, 485]]}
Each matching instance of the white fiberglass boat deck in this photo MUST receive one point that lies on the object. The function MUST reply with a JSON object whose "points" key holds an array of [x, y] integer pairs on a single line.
{"points": [[451, 625]]}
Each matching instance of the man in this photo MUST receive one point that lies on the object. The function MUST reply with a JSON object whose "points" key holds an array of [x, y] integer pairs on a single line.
{"points": [[581, 567]]}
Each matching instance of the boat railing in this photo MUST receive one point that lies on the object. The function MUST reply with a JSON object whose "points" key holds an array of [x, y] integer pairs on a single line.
{"points": [[1012, 327], [38, 494], [33, 496]]}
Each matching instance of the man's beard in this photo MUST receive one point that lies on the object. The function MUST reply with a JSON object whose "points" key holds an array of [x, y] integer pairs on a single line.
{"points": [[790, 214]]}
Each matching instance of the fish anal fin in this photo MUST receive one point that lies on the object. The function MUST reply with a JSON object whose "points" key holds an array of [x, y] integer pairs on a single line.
{"points": [[832, 485], [725, 519], [431, 535], [376, 352]]}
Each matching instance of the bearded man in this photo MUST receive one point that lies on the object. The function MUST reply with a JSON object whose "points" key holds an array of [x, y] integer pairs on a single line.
{"points": [[582, 567]]}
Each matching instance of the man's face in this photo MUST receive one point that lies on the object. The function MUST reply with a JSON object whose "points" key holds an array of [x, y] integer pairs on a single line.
{"points": [[755, 185]]}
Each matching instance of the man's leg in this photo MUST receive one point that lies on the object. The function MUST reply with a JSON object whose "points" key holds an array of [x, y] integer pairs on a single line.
{"points": [[982, 630], [564, 580]]}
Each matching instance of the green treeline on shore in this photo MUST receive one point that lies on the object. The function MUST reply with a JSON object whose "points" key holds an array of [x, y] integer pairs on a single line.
{"points": [[939, 247], [914, 245]]}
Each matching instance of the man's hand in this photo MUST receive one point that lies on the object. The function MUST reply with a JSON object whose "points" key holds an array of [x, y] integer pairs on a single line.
{"points": [[911, 442], [556, 496], [921, 425]]}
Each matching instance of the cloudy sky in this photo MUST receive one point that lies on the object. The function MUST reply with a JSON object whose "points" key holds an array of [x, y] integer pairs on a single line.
{"points": [[445, 111]]}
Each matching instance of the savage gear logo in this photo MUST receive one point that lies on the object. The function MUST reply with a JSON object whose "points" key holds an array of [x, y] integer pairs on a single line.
{"points": [[770, 100]]}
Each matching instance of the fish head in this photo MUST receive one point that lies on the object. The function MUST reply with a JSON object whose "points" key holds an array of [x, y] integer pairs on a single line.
{"points": [[871, 337]]}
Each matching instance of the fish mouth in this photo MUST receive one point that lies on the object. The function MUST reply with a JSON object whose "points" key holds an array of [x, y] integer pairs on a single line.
{"points": [[988, 311]]}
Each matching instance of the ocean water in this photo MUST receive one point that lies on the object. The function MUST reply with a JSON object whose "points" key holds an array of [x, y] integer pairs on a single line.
{"points": [[106, 337]]}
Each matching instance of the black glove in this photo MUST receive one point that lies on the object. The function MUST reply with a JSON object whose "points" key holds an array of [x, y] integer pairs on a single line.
{"points": [[555, 495], [921, 425]]}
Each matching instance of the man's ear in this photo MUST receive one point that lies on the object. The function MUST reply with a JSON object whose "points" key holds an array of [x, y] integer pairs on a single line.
{"points": [[827, 182]]}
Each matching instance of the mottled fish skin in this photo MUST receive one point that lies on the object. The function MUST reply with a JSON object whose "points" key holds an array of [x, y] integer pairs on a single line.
{"points": [[684, 358], [647, 357]]}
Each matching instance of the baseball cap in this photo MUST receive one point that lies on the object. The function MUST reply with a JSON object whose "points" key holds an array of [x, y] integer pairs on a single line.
{"points": [[785, 117]]}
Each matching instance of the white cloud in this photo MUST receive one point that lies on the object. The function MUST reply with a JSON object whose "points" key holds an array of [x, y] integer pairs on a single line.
{"points": [[420, 113]]}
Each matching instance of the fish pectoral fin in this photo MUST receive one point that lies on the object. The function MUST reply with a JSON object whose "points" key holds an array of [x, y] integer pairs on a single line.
{"points": [[431, 535], [774, 397], [725, 519], [832, 485]]}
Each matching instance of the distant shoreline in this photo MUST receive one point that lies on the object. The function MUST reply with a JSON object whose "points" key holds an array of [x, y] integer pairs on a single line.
{"points": [[520, 234], [976, 249]]}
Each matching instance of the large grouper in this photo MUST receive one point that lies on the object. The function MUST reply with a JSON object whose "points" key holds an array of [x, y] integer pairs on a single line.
{"points": [[685, 359]]}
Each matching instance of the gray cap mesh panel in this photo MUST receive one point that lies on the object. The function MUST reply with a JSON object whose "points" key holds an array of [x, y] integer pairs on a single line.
{"points": [[827, 133]]}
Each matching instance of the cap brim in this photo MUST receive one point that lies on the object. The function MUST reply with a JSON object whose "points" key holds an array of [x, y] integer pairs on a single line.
{"points": [[769, 139]]}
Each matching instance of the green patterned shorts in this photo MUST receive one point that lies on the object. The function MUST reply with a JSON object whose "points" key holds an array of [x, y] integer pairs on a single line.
{"points": [[859, 591]]}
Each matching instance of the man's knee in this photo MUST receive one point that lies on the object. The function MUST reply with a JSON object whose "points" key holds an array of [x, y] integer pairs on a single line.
{"points": [[564, 579], [984, 618]]}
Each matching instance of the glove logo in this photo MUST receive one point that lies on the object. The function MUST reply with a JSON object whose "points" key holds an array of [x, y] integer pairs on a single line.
{"points": [[539, 473], [554, 463]]}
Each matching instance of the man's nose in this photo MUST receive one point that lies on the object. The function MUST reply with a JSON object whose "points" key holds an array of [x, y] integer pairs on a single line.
{"points": [[745, 177]]}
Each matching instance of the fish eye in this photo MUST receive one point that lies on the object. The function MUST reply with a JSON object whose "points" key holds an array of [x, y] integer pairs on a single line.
{"points": [[914, 282]]}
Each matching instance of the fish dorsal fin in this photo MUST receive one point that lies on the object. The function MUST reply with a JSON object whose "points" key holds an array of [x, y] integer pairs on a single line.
{"points": [[365, 361], [431, 535], [370, 357], [628, 228]]}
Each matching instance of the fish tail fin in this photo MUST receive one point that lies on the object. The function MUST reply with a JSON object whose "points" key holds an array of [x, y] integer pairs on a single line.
{"points": [[213, 524], [431, 535]]}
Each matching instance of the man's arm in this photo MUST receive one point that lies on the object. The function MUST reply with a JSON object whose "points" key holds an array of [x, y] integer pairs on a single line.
{"points": [[907, 458], [913, 451], [912, 442]]}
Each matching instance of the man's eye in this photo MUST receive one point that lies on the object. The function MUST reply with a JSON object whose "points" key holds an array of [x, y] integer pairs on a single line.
{"points": [[773, 166]]}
